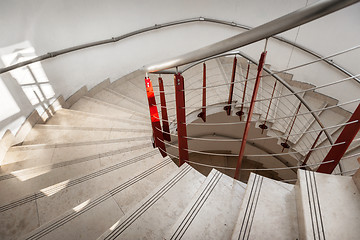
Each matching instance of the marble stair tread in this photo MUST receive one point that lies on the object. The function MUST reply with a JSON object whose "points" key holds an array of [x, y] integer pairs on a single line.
{"points": [[48, 203], [91, 218], [92, 105], [29, 156], [68, 117], [113, 97], [212, 212], [52, 134], [268, 209], [20, 184], [157, 212], [328, 206]]}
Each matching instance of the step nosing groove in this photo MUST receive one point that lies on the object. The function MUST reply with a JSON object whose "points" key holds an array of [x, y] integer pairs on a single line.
{"points": [[78, 180], [127, 111], [148, 203], [29, 171], [309, 202], [257, 199], [200, 201], [249, 206], [97, 201], [317, 202]]}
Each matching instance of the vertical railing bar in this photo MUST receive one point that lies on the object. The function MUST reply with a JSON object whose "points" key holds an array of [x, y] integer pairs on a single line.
{"points": [[241, 112], [181, 118], [231, 91], [311, 150], [285, 144], [250, 112], [263, 126], [202, 115], [154, 116], [164, 115]]}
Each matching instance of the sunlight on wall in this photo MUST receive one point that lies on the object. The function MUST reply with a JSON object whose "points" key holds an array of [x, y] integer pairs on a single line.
{"points": [[8, 104], [31, 78]]}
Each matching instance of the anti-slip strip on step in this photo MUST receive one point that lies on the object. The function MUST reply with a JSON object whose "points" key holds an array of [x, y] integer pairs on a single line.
{"points": [[65, 219], [62, 127], [314, 206], [95, 115], [74, 144], [251, 205], [127, 98], [115, 107], [200, 201], [63, 185], [33, 170], [148, 203]]}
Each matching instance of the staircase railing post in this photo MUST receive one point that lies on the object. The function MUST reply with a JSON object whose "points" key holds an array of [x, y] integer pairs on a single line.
{"points": [[164, 115], [250, 112], [202, 115], [311, 150], [154, 116], [231, 91], [264, 126], [241, 112], [181, 118], [285, 144], [338, 150]]}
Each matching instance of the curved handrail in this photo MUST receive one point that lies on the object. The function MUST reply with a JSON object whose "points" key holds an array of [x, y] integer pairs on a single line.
{"points": [[164, 25], [269, 29]]}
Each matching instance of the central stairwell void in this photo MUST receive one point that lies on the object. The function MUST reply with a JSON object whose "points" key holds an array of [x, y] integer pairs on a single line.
{"points": [[223, 147]]}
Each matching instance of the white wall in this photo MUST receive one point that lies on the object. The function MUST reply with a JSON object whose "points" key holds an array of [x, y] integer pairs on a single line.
{"points": [[49, 25]]}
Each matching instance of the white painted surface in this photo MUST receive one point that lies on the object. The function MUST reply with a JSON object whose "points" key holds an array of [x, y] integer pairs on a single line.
{"points": [[50, 26]]}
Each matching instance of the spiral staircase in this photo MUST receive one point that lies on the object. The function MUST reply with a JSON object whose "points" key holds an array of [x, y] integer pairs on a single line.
{"points": [[91, 171]]}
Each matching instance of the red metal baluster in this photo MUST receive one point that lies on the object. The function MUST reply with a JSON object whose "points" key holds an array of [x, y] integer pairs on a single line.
{"points": [[203, 111], [181, 118], [228, 107], [164, 116], [311, 150], [155, 120], [250, 112], [285, 144], [346, 136], [263, 126], [241, 112]]}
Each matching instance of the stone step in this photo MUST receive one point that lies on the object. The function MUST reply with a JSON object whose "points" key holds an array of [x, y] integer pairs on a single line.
{"points": [[32, 211], [68, 117], [212, 212], [328, 206], [268, 210], [28, 181], [156, 213], [113, 97], [92, 105], [51, 134], [91, 218], [21, 159]]}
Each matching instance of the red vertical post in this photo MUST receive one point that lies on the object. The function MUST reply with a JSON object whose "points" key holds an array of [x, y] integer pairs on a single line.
{"points": [[311, 150], [241, 112], [250, 112], [228, 107], [347, 136], [181, 118], [203, 111], [164, 116], [154, 116], [263, 126], [285, 144]]}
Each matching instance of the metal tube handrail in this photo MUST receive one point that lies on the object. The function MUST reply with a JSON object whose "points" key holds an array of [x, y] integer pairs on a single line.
{"points": [[269, 29]]}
